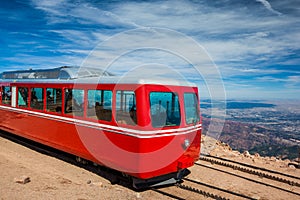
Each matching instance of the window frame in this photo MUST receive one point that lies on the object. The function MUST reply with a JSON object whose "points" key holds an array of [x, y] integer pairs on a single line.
{"points": [[2, 95], [69, 103], [27, 101], [59, 107], [197, 111], [126, 115], [100, 111], [155, 117], [42, 102]]}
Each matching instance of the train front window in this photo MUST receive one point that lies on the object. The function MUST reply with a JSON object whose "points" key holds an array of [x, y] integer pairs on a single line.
{"points": [[6, 95], [54, 100], [192, 115], [37, 98], [126, 107], [165, 109], [74, 100], [23, 97], [100, 105]]}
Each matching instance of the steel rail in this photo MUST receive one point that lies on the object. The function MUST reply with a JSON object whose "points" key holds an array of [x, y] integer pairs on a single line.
{"points": [[215, 188], [202, 192], [250, 171], [249, 179], [252, 166]]}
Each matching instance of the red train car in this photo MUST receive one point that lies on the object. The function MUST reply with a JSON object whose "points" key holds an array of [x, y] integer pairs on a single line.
{"points": [[148, 130]]}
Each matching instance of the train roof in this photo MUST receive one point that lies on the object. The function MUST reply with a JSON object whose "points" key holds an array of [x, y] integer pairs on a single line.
{"points": [[74, 74], [64, 72]]}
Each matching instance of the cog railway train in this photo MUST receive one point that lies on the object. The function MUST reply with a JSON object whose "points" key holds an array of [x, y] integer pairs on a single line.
{"points": [[149, 130]]}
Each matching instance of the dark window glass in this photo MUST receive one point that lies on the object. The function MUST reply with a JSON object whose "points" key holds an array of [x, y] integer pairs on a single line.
{"points": [[37, 98], [126, 107], [23, 97], [6, 95], [165, 110], [100, 104], [191, 108], [54, 100], [74, 102]]}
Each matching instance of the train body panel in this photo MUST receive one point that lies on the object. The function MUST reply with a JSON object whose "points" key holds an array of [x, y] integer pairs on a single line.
{"points": [[143, 130]]}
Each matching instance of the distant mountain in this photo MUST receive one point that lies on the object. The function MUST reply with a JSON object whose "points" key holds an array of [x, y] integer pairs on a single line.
{"points": [[270, 128], [248, 105], [236, 105], [255, 139]]}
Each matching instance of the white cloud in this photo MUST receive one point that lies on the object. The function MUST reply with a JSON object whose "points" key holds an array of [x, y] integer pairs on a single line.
{"points": [[226, 34], [236, 38], [269, 7]]}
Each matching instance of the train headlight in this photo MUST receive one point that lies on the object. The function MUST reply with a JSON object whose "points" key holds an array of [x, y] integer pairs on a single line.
{"points": [[186, 143]]}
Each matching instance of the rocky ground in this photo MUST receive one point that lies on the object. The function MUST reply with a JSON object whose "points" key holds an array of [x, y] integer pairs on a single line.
{"points": [[27, 174]]}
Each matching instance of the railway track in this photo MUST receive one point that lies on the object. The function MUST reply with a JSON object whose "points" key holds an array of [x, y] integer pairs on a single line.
{"points": [[192, 187], [257, 176], [189, 186], [251, 169], [219, 193], [268, 180]]}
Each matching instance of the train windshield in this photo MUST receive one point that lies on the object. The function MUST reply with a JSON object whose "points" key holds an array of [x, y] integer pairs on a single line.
{"points": [[191, 108], [165, 109]]}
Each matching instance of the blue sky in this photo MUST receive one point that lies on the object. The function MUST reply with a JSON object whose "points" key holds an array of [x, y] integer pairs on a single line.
{"points": [[253, 46]]}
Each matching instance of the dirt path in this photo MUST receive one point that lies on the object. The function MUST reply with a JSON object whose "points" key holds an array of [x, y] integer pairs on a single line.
{"points": [[51, 178]]}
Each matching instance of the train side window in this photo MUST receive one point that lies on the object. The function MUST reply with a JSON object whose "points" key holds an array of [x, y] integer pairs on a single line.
{"points": [[54, 100], [74, 102], [37, 98], [191, 108], [23, 97], [100, 105], [165, 109], [126, 107], [6, 95]]}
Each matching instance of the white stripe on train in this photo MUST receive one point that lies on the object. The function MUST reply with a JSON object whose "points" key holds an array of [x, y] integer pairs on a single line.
{"points": [[110, 128]]}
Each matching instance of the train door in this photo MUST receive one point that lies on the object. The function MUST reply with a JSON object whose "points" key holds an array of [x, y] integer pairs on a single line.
{"points": [[13, 96]]}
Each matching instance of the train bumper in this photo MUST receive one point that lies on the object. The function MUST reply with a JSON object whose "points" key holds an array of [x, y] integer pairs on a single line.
{"points": [[185, 162], [167, 179]]}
